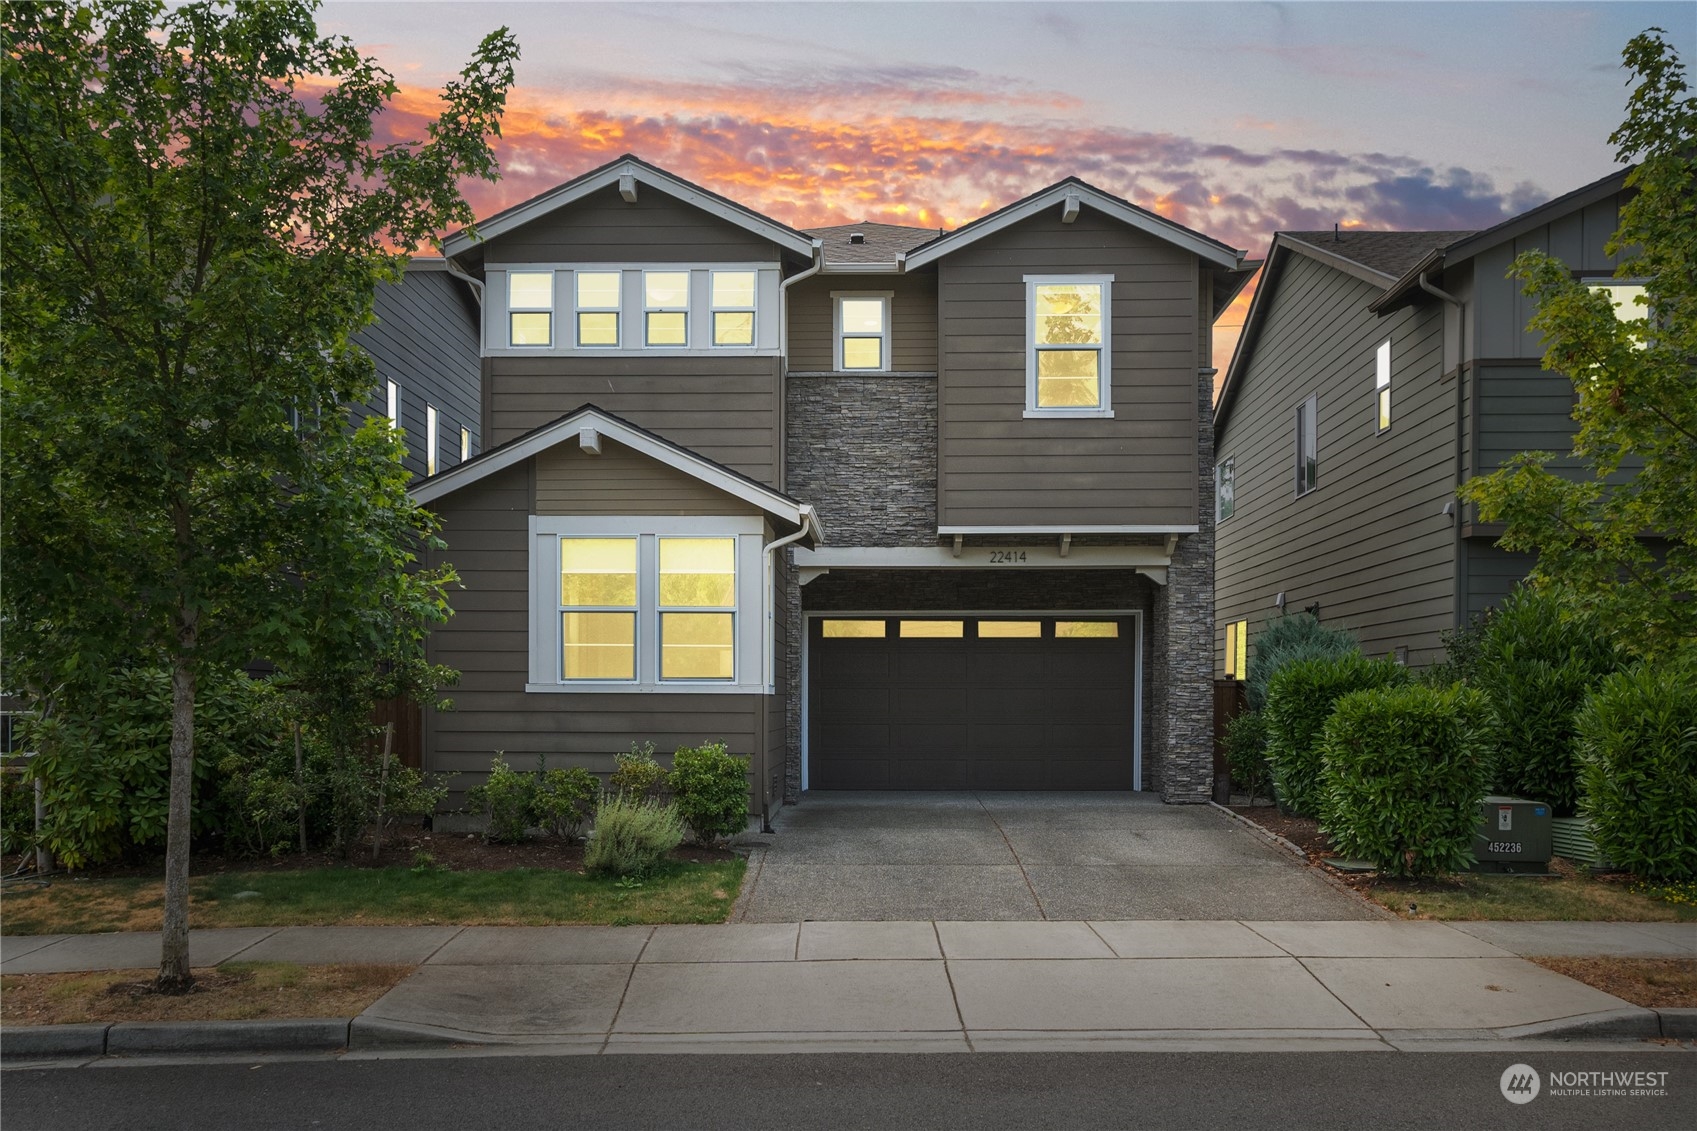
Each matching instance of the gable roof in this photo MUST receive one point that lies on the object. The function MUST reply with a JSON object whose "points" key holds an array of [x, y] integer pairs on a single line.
{"points": [[885, 243], [1375, 258], [640, 172], [1209, 249], [589, 417]]}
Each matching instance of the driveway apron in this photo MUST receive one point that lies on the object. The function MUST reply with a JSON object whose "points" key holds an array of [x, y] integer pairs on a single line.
{"points": [[850, 857]]}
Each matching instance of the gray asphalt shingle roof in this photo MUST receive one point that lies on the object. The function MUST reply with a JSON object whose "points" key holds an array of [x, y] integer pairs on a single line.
{"points": [[883, 241], [1389, 253]]}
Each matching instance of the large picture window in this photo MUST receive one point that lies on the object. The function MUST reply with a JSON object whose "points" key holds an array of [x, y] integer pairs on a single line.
{"points": [[1068, 364]]}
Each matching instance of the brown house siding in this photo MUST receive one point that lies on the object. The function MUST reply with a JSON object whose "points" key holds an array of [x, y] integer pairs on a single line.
{"points": [[602, 228], [1138, 468], [913, 320], [621, 481]]}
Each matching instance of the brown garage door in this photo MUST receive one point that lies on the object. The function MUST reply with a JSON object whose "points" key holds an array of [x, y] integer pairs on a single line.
{"points": [[930, 701]]}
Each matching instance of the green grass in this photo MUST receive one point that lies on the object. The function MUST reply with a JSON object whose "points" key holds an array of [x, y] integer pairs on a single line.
{"points": [[1568, 897], [678, 893]]}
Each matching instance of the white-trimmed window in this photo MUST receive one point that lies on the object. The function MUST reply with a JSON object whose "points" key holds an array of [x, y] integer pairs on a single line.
{"points": [[862, 329], [1382, 384], [465, 444], [1068, 363], [394, 405], [530, 308], [597, 308], [1308, 445], [1630, 299], [1225, 488], [1237, 649], [665, 308], [732, 299], [433, 438], [645, 604]]}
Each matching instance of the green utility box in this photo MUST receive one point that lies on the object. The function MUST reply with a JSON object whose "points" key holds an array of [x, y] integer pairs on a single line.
{"points": [[1513, 836]]}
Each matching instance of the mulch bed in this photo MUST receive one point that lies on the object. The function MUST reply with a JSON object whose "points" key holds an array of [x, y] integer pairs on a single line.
{"points": [[1304, 832]]}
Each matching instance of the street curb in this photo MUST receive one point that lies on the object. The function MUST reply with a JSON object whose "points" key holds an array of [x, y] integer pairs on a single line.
{"points": [[378, 1033], [306, 1034], [1679, 1023], [33, 1041]]}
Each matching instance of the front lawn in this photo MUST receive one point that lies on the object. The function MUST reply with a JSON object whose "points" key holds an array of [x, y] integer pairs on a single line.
{"points": [[1569, 894], [682, 891]]}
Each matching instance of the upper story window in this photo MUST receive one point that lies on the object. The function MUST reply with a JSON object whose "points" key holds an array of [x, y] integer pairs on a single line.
{"points": [[665, 308], [863, 329], [394, 405], [465, 444], [1382, 383], [1067, 334], [1225, 488], [598, 309], [1630, 299], [530, 308], [433, 438], [732, 295], [1307, 445]]}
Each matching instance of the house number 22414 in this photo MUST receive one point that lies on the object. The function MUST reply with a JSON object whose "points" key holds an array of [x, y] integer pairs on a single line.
{"points": [[1007, 557]]}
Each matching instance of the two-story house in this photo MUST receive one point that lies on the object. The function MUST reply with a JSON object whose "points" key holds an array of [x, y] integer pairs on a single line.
{"points": [[1377, 372], [880, 507]]}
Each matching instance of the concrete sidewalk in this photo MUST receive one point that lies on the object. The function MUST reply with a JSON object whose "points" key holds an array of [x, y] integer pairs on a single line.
{"points": [[943, 986]]}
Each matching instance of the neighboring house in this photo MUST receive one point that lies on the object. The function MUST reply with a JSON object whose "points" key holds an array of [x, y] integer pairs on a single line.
{"points": [[1377, 372], [425, 345], [880, 507]]}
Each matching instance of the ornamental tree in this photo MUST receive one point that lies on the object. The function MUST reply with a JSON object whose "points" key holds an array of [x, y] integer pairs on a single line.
{"points": [[1637, 392], [197, 212]]}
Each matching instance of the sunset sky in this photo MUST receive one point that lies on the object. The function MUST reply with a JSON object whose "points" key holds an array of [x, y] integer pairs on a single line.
{"points": [[1235, 119]]}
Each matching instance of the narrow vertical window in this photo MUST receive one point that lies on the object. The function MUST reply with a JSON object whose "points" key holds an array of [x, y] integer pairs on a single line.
{"points": [[598, 309], [863, 331], [465, 444], [665, 308], [433, 438], [1382, 383], [530, 308], [1307, 445], [1225, 488], [394, 405], [1237, 649], [733, 308], [698, 598], [598, 608]]}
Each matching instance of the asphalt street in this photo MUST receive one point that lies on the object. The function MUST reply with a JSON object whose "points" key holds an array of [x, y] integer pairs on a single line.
{"points": [[1061, 1090]]}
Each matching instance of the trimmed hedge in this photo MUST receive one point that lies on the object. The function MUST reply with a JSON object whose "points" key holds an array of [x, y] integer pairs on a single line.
{"points": [[1299, 701], [710, 788], [1638, 743], [1536, 663], [1404, 770]]}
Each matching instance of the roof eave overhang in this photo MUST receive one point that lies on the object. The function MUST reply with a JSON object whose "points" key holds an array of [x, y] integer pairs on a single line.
{"points": [[1407, 289]]}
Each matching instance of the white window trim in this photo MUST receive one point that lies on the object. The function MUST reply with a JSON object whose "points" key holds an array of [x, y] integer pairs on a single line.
{"points": [[633, 310], [1382, 420], [752, 311], [552, 310], [1105, 374], [1312, 434], [545, 644], [617, 310], [837, 335], [1231, 462], [465, 444], [433, 438], [394, 405]]}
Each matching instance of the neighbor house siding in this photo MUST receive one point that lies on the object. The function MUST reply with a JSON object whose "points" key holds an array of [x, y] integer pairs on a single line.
{"points": [[486, 528], [997, 468], [602, 228], [913, 320], [1492, 573], [1370, 544]]}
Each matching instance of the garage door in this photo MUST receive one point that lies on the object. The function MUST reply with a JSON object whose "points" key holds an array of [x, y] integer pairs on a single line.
{"points": [[935, 701]]}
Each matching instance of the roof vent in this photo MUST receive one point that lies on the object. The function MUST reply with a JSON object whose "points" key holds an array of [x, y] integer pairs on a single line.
{"points": [[857, 237]]}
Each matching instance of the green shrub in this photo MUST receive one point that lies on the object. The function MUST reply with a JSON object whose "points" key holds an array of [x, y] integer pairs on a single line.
{"points": [[631, 836], [1462, 649], [565, 799], [1535, 666], [1245, 741], [1638, 742], [508, 799], [636, 773], [17, 808], [1299, 701], [1284, 640], [710, 788], [1403, 772]]}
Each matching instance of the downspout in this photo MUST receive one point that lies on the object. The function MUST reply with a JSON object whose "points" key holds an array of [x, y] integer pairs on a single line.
{"points": [[769, 648], [784, 356], [1460, 545], [476, 286]]}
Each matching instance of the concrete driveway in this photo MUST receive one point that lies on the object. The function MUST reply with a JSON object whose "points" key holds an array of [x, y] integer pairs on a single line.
{"points": [[982, 856]]}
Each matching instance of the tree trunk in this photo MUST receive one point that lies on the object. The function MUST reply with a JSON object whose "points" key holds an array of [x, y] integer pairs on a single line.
{"points": [[300, 785], [382, 785], [174, 955]]}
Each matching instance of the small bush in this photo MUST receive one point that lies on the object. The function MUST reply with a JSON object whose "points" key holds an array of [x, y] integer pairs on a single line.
{"points": [[1299, 701], [1403, 772], [1638, 743], [710, 788], [1536, 664], [631, 836], [636, 773], [1462, 649], [508, 799], [565, 799], [1246, 754], [1284, 640]]}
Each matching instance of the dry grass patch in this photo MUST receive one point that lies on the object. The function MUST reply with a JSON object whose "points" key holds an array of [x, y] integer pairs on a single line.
{"points": [[1655, 983], [1567, 894], [236, 991]]}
